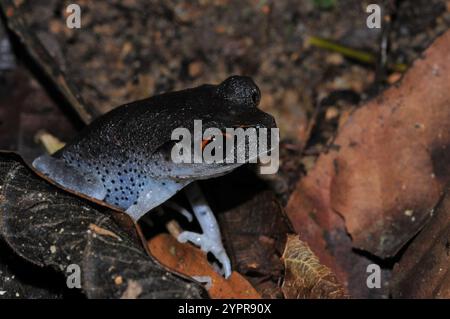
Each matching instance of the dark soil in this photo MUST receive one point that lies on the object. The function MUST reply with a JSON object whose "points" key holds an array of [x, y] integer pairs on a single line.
{"points": [[128, 50]]}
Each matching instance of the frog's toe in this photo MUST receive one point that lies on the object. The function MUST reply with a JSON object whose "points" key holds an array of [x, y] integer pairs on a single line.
{"points": [[183, 211], [208, 245]]}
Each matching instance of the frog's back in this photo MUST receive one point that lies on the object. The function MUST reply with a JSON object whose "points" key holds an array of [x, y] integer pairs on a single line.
{"points": [[111, 159]]}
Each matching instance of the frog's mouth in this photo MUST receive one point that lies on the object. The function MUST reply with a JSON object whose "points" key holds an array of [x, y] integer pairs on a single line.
{"points": [[224, 125], [207, 168], [250, 157]]}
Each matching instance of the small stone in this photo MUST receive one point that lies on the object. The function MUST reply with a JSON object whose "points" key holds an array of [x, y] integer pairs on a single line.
{"points": [[409, 212], [334, 59], [118, 280], [195, 68], [394, 77], [53, 249], [331, 113]]}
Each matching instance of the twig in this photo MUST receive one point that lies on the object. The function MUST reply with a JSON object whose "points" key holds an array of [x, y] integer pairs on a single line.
{"points": [[358, 55]]}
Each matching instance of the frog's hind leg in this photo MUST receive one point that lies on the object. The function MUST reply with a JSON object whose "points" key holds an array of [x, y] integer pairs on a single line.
{"points": [[69, 177], [210, 240], [183, 211]]}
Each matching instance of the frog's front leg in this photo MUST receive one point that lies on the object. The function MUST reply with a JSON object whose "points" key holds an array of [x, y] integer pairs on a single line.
{"points": [[155, 193], [210, 240], [69, 177]]}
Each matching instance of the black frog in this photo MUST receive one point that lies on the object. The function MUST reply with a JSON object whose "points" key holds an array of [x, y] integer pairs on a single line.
{"points": [[123, 157]]}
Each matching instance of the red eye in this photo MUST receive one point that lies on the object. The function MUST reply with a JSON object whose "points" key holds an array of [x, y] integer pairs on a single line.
{"points": [[206, 142]]}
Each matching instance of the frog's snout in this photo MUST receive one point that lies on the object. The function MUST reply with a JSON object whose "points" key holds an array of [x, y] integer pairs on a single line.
{"points": [[240, 90]]}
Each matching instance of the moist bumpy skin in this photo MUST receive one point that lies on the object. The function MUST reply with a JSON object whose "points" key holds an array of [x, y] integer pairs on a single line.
{"points": [[123, 158]]}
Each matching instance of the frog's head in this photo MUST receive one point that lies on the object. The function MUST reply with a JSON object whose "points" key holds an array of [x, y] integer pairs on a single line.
{"points": [[231, 110]]}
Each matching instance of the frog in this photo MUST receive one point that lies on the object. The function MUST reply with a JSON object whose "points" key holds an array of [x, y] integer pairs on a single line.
{"points": [[123, 158]]}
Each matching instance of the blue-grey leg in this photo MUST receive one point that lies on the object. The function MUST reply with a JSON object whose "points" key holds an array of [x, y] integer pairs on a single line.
{"points": [[156, 192], [210, 240], [183, 211]]}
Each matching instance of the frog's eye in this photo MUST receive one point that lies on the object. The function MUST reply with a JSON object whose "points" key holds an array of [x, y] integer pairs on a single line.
{"points": [[256, 97], [209, 140], [239, 91], [206, 142]]}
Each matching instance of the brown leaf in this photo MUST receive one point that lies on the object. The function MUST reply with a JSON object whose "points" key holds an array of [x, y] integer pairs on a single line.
{"points": [[424, 270], [305, 276], [389, 166], [383, 178], [191, 261], [392, 166], [324, 231]]}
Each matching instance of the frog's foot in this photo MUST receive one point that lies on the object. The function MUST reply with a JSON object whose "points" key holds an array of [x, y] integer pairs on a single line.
{"points": [[210, 240], [210, 246]]}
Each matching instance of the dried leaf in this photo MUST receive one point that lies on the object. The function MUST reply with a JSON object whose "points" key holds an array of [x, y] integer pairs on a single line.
{"points": [[50, 227], [37, 50], [19, 279], [383, 176], [424, 269], [191, 261], [305, 276], [26, 108], [253, 226], [394, 156], [324, 231], [256, 231]]}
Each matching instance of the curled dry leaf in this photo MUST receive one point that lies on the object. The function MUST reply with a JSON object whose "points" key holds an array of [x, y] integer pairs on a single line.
{"points": [[191, 261], [424, 270], [305, 276], [50, 227]]}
